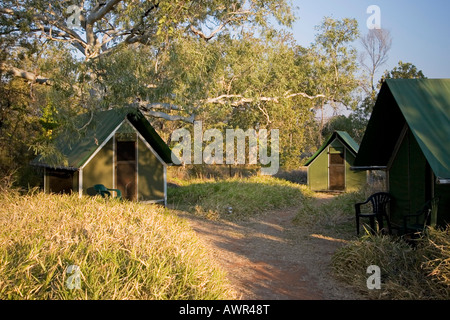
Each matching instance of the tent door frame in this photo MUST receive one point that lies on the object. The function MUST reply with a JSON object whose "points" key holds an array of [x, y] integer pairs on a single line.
{"points": [[341, 166], [118, 163]]}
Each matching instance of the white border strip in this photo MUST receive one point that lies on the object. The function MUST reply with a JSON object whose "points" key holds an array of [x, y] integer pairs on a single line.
{"points": [[80, 183]]}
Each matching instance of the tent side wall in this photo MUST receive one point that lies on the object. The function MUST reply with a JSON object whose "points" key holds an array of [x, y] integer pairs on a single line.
{"points": [[443, 192], [318, 172], [408, 180], [354, 179], [411, 183], [151, 180], [99, 170]]}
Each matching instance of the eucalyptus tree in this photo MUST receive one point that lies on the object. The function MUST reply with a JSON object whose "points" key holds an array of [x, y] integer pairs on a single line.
{"points": [[97, 29], [334, 63], [220, 61]]}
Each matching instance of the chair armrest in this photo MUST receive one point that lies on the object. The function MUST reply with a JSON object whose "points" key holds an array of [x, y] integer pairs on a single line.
{"points": [[358, 206], [119, 193], [361, 203], [416, 215]]}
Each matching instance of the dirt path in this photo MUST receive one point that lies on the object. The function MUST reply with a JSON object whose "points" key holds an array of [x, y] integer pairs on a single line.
{"points": [[270, 258]]}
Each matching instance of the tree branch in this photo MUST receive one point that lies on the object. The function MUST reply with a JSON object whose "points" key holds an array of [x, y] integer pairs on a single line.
{"points": [[223, 99], [233, 16], [16, 72], [211, 35], [147, 108], [168, 117], [49, 33], [101, 11]]}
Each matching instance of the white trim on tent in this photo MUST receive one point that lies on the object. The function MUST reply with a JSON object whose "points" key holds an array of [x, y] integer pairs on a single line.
{"points": [[45, 180], [165, 186], [80, 183], [114, 163], [442, 180]]}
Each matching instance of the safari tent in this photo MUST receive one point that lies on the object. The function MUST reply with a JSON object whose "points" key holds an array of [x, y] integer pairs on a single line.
{"points": [[120, 149], [329, 167], [408, 136]]}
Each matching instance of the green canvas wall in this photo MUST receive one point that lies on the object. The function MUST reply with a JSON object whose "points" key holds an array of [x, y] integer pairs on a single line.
{"points": [[354, 179], [411, 183], [318, 172], [99, 170], [150, 175], [443, 192], [407, 179]]}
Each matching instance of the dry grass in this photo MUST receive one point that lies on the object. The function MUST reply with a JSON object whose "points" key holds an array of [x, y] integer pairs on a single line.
{"points": [[123, 250], [408, 272]]}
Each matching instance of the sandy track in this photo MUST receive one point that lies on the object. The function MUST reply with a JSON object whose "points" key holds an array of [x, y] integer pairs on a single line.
{"points": [[270, 258]]}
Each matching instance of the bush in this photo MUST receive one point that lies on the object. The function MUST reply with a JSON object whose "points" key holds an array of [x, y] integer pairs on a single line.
{"points": [[123, 250]]}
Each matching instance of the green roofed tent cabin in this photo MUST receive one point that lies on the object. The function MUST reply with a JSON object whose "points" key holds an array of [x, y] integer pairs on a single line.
{"points": [[120, 150], [408, 136], [329, 167]]}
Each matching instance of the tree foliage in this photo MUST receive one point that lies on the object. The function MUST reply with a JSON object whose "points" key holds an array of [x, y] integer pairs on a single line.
{"points": [[404, 70], [222, 62], [334, 63]]}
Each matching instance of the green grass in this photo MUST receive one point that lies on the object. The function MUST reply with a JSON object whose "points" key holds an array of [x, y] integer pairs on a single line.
{"points": [[124, 250], [246, 196], [336, 215]]}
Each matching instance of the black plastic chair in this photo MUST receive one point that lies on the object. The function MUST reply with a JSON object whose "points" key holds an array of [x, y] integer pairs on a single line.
{"points": [[379, 202], [426, 216], [103, 191]]}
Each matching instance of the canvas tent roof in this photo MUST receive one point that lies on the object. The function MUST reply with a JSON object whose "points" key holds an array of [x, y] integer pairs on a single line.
{"points": [[77, 151], [424, 105], [344, 137]]}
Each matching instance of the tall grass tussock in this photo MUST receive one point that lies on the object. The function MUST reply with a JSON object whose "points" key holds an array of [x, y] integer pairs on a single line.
{"points": [[420, 272], [122, 250]]}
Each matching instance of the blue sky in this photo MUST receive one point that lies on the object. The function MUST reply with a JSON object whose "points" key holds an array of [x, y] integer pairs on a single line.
{"points": [[420, 29]]}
